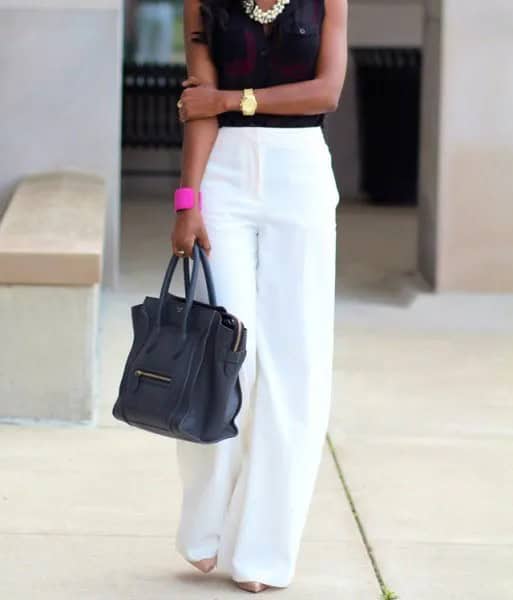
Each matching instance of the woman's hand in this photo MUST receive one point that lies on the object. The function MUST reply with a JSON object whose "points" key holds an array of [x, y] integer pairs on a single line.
{"points": [[189, 227], [200, 100]]}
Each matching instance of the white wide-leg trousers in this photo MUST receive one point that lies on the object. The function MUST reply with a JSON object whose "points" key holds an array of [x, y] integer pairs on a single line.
{"points": [[269, 198]]}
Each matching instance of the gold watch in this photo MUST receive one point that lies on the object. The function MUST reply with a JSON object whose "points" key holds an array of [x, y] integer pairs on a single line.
{"points": [[248, 102]]}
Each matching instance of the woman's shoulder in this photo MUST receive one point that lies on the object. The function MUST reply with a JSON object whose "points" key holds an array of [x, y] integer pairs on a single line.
{"points": [[218, 8], [214, 14]]}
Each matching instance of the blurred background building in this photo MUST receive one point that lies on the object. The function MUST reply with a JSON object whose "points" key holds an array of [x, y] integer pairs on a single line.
{"points": [[424, 118], [422, 143], [153, 31]]}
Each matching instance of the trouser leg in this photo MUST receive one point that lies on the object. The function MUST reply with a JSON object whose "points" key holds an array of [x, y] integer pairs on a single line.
{"points": [[208, 472], [294, 331], [292, 402]]}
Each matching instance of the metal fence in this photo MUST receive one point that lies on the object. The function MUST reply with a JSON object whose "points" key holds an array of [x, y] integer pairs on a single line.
{"points": [[150, 115]]}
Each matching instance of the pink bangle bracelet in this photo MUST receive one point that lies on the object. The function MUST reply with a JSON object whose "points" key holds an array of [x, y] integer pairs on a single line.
{"points": [[184, 198]]}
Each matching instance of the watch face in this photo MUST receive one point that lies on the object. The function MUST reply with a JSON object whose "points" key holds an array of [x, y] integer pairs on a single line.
{"points": [[249, 104]]}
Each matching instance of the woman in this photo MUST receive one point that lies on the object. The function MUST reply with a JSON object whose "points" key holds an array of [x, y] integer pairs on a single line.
{"points": [[267, 223]]}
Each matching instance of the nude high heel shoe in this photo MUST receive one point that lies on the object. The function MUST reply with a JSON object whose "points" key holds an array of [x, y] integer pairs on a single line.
{"points": [[252, 586], [205, 564]]}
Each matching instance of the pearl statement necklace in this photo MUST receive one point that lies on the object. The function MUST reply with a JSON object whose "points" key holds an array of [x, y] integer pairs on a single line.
{"points": [[264, 16]]}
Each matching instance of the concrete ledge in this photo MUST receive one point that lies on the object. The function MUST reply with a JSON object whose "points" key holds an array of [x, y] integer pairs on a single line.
{"points": [[48, 352], [53, 230], [51, 250]]}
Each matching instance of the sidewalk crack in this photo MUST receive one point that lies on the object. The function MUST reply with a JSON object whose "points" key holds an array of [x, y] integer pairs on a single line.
{"points": [[386, 593]]}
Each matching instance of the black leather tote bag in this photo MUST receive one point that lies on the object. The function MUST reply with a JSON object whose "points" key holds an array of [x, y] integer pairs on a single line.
{"points": [[181, 377]]}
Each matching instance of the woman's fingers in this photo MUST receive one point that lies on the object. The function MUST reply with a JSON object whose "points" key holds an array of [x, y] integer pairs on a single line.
{"points": [[192, 80], [199, 102], [188, 228], [187, 245], [178, 249], [183, 109], [203, 241], [182, 246]]}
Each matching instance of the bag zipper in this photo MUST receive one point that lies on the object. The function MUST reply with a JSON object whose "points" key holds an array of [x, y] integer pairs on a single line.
{"points": [[151, 375]]}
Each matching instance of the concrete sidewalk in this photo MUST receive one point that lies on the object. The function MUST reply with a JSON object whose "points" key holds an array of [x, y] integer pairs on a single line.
{"points": [[421, 434], [423, 417]]}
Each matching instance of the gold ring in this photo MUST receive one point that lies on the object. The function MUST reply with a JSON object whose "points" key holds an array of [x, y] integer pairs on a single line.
{"points": [[179, 103]]}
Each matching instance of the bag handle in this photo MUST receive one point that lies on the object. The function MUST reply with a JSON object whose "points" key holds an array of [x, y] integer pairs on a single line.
{"points": [[199, 256], [207, 273]]}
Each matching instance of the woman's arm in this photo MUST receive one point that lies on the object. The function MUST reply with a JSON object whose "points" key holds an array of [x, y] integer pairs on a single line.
{"points": [[199, 137], [312, 96]]}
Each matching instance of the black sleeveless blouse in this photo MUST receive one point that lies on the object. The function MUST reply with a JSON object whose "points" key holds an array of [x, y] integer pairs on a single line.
{"points": [[246, 56]]}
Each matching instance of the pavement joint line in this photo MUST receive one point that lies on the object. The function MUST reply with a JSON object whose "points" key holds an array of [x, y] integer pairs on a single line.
{"points": [[386, 593]]}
